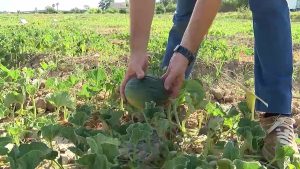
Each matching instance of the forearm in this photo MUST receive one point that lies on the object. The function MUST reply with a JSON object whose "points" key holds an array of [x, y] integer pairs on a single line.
{"points": [[141, 15], [204, 13]]}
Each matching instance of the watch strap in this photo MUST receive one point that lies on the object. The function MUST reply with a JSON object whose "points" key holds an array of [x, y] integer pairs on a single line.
{"points": [[185, 52]]}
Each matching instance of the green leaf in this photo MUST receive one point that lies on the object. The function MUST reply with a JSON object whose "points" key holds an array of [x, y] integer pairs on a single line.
{"points": [[252, 133], [194, 161], [28, 72], [232, 112], [97, 76], [3, 111], [72, 79], [29, 156], [77, 151], [82, 133], [111, 117], [178, 162], [2, 82], [3, 68], [231, 152], [195, 88], [81, 115], [44, 65], [13, 74], [283, 151], [246, 133], [291, 166], [32, 89], [245, 123], [296, 161], [258, 132], [68, 133], [101, 144], [50, 132], [51, 83], [254, 127], [3, 142], [85, 92], [65, 85], [111, 152], [137, 132], [13, 98], [122, 128], [162, 126], [214, 110], [61, 99], [230, 122], [225, 164], [245, 110], [151, 109], [93, 161], [247, 165], [215, 124]]}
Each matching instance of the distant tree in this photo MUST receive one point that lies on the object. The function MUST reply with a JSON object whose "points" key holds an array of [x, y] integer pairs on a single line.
{"points": [[36, 10], [50, 9], [93, 10], [75, 10], [242, 3], [86, 7], [166, 2], [57, 6], [166, 6], [105, 4]]}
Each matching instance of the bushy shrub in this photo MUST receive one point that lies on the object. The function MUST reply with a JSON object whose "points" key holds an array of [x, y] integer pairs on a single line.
{"points": [[111, 10], [244, 13], [123, 10], [93, 10], [233, 5], [171, 8], [159, 7], [50, 9], [76, 10]]}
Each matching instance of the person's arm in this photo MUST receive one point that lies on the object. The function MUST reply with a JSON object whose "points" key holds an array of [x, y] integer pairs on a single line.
{"points": [[203, 15], [141, 15]]}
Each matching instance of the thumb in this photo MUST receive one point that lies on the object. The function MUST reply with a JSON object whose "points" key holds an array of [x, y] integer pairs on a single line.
{"points": [[169, 81], [140, 73]]}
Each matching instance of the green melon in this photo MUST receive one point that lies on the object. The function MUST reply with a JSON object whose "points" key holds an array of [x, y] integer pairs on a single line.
{"points": [[140, 91]]}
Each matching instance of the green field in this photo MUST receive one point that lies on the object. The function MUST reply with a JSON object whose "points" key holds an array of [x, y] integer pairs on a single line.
{"points": [[60, 105]]}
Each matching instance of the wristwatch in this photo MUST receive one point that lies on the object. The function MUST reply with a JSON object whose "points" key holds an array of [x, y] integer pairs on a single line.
{"points": [[185, 52]]}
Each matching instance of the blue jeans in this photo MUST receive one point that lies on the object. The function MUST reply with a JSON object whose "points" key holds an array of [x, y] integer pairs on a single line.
{"points": [[273, 50]]}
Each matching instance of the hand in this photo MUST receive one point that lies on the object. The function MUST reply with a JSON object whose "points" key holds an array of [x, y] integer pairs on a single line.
{"points": [[174, 76], [137, 65]]}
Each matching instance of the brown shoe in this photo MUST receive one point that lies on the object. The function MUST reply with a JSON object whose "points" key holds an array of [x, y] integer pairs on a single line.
{"points": [[279, 130]]}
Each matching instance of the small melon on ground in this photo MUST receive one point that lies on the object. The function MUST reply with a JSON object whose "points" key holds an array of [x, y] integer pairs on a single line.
{"points": [[140, 91]]}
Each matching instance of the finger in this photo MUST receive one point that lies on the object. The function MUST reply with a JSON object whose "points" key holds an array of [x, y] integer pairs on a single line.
{"points": [[165, 75], [169, 81], [123, 85], [122, 90], [140, 74], [176, 88]]}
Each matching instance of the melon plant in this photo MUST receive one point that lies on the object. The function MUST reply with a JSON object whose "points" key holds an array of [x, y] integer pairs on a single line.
{"points": [[140, 91]]}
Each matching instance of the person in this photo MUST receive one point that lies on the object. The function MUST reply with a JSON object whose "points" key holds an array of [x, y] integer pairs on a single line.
{"points": [[273, 57]]}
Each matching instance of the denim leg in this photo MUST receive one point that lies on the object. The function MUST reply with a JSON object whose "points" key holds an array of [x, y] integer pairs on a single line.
{"points": [[181, 19], [273, 55]]}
